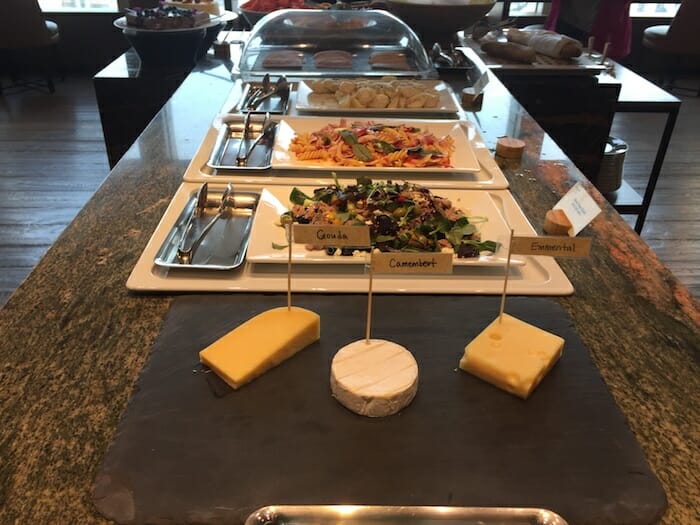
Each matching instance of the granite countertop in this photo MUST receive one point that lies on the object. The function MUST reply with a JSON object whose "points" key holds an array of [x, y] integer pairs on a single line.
{"points": [[74, 339]]}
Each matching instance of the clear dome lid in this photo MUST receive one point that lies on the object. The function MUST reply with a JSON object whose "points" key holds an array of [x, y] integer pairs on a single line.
{"points": [[338, 43]]}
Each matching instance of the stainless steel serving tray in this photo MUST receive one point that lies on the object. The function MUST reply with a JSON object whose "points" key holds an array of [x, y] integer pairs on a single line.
{"points": [[394, 515], [224, 246], [223, 155]]}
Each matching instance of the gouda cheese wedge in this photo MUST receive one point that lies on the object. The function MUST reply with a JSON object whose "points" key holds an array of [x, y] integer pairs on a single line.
{"points": [[512, 354], [261, 343]]}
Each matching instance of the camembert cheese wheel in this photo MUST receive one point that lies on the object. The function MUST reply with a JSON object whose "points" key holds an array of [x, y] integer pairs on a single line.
{"points": [[376, 378], [262, 342]]}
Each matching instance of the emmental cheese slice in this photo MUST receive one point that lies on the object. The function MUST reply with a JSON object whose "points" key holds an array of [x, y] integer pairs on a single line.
{"points": [[374, 378], [261, 343], [512, 354]]}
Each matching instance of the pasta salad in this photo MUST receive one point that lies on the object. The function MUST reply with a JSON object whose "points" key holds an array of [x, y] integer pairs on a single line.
{"points": [[376, 145]]}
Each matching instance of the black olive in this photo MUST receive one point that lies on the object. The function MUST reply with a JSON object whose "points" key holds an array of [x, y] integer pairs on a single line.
{"points": [[385, 225], [303, 220], [467, 250]]}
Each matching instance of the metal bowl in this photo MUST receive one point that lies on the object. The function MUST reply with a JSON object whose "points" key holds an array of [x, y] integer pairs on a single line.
{"points": [[439, 20]]}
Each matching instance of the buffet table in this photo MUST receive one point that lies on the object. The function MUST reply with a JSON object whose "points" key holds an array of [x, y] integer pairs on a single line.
{"points": [[75, 340]]}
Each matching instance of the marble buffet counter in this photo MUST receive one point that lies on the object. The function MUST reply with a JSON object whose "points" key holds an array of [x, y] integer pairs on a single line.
{"points": [[74, 340]]}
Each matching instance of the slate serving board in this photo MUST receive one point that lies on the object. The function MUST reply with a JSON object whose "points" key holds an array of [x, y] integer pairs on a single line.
{"points": [[184, 455]]}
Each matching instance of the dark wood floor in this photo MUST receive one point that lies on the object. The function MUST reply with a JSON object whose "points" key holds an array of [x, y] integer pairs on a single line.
{"points": [[672, 227], [52, 159]]}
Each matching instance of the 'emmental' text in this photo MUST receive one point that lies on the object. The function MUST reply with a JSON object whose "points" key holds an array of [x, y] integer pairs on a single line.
{"points": [[563, 248]]}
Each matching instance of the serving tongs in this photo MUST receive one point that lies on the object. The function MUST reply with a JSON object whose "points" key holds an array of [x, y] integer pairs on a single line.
{"points": [[450, 58], [484, 27], [439, 56], [281, 89], [244, 137], [268, 127], [188, 243], [253, 94]]}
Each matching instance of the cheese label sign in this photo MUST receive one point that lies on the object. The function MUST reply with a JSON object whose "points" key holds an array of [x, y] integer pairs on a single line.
{"points": [[412, 262], [331, 235], [553, 246]]}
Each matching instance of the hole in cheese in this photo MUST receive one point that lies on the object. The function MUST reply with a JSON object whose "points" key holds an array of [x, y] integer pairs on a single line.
{"points": [[518, 362]]}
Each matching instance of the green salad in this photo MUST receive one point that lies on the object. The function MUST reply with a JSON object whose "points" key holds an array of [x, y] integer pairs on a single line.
{"points": [[401, 217]]}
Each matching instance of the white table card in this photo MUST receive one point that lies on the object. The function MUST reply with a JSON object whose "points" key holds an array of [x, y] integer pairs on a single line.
{"points": [[579, 207]]}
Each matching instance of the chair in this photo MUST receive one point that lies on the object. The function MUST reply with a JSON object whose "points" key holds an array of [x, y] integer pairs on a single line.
{"points": [[25, 32], [677, 41]]}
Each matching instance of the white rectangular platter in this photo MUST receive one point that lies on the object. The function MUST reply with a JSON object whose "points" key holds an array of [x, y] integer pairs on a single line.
{"points": [[489, 176], [273, 202], [463, 159], [537, 276], [309, 101]]}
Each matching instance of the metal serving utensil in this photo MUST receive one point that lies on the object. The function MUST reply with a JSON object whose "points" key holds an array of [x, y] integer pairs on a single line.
{"points": [[197, 211], [185, 254], [268, 127], [253, 94], [244, 136], [439, 56], [281, 88]]}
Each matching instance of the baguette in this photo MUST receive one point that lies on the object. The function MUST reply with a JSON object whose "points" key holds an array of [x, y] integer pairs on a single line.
{"points": [[546, 42], [509, 51]]}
